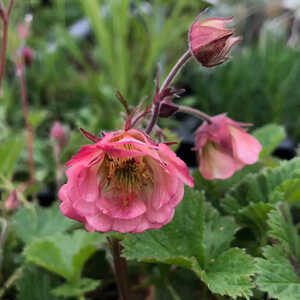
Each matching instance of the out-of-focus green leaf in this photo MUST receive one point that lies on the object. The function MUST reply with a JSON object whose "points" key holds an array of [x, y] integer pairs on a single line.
{"points": [[229, 274], [35, 118], [77, 288], [34, 284], [10, 152], [270, 136], [40, 223], [64, 254]]}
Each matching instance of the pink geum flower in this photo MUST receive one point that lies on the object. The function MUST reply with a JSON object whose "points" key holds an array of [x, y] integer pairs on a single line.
{"points": [[224, 147], [124, 182], [210, 40]]}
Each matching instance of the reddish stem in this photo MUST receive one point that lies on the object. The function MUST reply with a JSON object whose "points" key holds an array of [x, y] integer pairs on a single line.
{"points": [[178, 66], [195, 112], [120, 268], [21, 75], [5, 20]]}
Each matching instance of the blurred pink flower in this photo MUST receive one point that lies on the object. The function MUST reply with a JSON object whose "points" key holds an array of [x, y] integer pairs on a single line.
{"points": [[224, 147], [210, 40], [12, 202], [59, 134], [125, 182]]}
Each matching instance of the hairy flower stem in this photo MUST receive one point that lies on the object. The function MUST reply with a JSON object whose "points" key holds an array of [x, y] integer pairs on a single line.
{"points": [[4, 15], [21, 75], [120, 268], [175, 70], [195, 112]]}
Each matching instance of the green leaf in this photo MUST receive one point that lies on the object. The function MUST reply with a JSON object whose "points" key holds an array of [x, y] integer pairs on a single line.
{"points": [[64, 254], [216, 189], [218, 234], [34, 284], [255, 188], [10, 152], [283, 230], [40, 222], [291, 190], [255, 216], [76, 289], [197, 241], [277, 276], [180, 242], [230, 274], [270, 136]]}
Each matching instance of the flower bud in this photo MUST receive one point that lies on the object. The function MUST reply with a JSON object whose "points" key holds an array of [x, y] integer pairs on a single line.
{"points": [[210, 40], [168, 109], [12, 202], [27, 55], [59, 134]]}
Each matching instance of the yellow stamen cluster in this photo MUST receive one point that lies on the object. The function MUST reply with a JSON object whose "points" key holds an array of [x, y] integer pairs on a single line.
{"points": [[126, 176]]}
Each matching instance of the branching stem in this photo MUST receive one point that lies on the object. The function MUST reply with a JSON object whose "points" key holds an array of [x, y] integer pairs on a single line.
{"points": [[195, 112], [175, 70]]}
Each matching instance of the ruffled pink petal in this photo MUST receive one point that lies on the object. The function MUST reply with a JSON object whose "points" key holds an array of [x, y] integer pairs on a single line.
{"points": [[160, 215], [85, 155], [124, 226], [175, 165], [144, 224], [117, 206], [87, 182], [99, 222], [164, 186], [246, 148], [214, 163], [66, 205]]}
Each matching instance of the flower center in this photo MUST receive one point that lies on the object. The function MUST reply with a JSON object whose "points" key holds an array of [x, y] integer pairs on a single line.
{"points": [[125, 177]]}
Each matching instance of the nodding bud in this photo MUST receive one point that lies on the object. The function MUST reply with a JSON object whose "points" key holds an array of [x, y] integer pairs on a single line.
{"points": [[27, 55], [210, 40], [167, 109], [59, 134], [12, 202]]}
